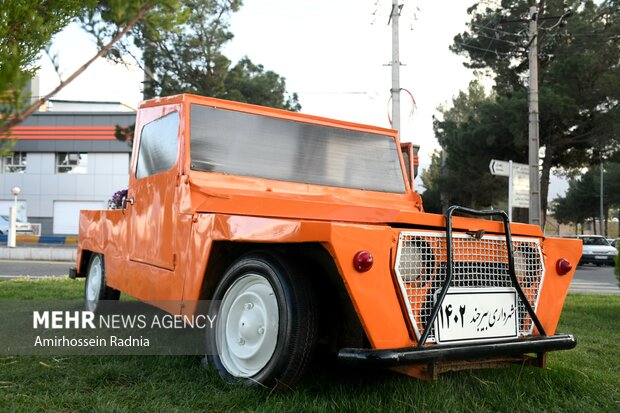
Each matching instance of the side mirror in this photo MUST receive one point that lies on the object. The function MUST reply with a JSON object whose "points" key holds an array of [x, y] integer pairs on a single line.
{"points": [[410, 156]]}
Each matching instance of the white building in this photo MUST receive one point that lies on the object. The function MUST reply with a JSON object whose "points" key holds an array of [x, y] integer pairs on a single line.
{"points": [[65, 160]]}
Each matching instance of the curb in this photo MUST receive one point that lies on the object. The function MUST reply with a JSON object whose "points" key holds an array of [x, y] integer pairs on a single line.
{"points": [[38, 254], [43, 239]]}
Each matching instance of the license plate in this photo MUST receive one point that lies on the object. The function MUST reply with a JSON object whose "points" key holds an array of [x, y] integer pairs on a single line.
{"points": [[600, 257], [469, 314]]}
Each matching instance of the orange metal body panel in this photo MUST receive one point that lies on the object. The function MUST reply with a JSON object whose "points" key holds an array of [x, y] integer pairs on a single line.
{"points": [[373, 293], [407, 148], [555, 287], [160, 247]]}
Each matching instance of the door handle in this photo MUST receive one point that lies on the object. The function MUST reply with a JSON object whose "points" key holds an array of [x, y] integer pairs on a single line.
{"points": [[126, 201]]}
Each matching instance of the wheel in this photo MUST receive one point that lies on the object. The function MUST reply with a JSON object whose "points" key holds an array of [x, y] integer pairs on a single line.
{"points": [[95, 288], [266, 327]]}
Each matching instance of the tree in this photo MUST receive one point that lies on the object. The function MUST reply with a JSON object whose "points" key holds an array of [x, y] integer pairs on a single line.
{"points": [[189, 59], [431, 177], [461, 131], [580, 203], [250, 83], [24, 24], [582, 200], [579, 73], [475, 129]]}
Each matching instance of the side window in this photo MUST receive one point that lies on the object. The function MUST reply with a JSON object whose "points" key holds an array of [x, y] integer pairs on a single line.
{"points": [[158, 145]]}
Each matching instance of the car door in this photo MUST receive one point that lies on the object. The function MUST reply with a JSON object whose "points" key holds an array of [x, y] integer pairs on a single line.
{"points": [[152, 193]]}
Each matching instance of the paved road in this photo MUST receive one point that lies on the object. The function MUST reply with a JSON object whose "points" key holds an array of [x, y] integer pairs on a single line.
{"points": [[588, 278], [594, 280], [13, 269]]}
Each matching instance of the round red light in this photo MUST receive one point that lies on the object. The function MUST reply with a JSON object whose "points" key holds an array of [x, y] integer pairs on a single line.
{"points": [[563, 266], [363, 261]]}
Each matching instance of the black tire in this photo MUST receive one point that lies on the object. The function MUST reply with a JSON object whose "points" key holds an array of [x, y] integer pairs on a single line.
{"points": [[295, 329], [95, 287]]}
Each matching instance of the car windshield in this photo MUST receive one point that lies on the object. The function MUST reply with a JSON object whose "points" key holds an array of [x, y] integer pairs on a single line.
{"points": [[594, 241], [245, 144]]}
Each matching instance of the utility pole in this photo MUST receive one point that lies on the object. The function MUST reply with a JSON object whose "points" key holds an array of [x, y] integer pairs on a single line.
{"points": [[535, 212], [394, 15], [534, 144], [601, 203]]}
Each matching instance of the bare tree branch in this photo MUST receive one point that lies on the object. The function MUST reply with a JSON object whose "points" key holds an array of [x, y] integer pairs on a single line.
{"points": [[19, 118]]}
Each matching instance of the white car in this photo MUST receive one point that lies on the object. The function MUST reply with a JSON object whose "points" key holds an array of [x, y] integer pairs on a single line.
{"points": [[596, 250], [20, 225]]}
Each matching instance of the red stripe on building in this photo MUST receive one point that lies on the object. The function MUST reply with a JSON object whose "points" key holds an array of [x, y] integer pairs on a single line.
{"points": [[95, 133]]}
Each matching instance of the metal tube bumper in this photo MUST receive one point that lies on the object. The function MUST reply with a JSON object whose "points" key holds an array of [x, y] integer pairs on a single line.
{"points": [[445, 352]]}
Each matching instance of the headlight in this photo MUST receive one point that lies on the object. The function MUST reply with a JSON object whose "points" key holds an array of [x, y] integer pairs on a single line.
{"points": [[421, 261], [526, 265]]}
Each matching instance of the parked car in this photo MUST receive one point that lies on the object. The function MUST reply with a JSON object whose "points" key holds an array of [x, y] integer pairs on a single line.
{"points": [[21, 226], [596, 250]]}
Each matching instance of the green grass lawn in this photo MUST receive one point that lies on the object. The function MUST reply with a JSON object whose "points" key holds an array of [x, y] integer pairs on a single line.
{"points": [[586, 379]]}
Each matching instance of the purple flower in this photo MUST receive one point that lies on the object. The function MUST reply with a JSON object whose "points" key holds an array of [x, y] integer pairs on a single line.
{"points": [[117, 198]]}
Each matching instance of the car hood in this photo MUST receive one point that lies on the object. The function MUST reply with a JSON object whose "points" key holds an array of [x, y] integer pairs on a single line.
{"points": [[599, 249]]}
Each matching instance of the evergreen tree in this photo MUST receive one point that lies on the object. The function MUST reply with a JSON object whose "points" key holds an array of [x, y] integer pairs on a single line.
{"points": [[188, 58], [579, 78]]}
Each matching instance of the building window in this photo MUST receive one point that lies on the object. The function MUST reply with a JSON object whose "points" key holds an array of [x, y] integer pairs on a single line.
{"points": [[71, 163], [15, 163]]}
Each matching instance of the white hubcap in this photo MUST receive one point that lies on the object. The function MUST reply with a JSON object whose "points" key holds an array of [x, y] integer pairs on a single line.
{"points": [[247, 331], [93, 283]]}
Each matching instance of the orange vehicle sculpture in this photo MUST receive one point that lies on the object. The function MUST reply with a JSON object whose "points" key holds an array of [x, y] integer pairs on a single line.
{"points": [[308, 231]]}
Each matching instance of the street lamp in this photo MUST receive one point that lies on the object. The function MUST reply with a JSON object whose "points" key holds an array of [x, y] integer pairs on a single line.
{"points": [[16, 190]]}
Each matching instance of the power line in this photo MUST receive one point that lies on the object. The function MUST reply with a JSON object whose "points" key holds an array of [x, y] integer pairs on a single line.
{"points": [[335, 92], [499, 40], [613, 36], [487, 49], [481, 49], [493, 29]]}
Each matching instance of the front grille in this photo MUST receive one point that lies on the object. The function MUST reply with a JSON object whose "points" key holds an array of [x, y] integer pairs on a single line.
{"points": [[477, 263]]}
